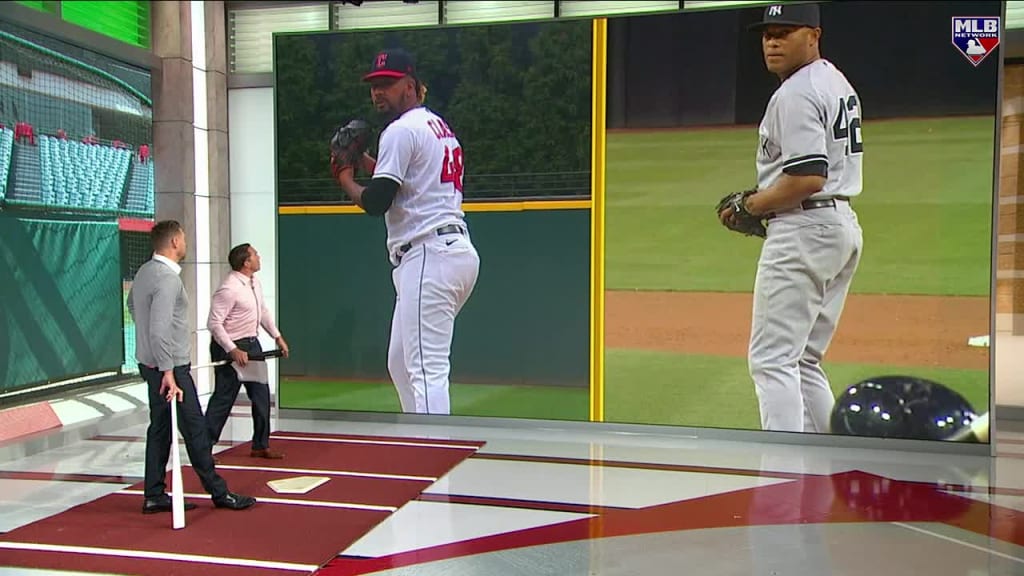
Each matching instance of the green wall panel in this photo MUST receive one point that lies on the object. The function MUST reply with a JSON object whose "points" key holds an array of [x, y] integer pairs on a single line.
{"points": [[527, 322], [59, 281]]}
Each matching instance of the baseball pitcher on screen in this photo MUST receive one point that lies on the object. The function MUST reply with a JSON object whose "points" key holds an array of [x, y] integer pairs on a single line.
{"points": [[417, 187], [808, 161]]}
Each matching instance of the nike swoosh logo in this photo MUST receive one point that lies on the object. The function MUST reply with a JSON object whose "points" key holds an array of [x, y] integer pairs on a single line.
{"points": [[449, 242]]}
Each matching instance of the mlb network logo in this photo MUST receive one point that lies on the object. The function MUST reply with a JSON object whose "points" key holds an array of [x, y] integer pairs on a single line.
{"points": [[975, 36]]}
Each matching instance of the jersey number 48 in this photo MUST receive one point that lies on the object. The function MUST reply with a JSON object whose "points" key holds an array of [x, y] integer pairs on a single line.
{"points": [[847, 125], [451, 167]]}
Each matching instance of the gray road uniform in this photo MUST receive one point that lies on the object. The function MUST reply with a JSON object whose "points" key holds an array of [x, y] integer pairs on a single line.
{"points": [[811, 126]]}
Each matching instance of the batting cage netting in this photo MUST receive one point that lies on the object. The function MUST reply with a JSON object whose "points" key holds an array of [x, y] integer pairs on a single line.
{"points": [[77, 200]]}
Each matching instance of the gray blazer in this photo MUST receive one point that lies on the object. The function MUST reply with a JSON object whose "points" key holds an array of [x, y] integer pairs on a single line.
{"points": [[159, 304]]}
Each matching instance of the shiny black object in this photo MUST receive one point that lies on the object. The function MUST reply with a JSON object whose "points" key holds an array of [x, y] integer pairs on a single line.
{"points": [[901, 407]]}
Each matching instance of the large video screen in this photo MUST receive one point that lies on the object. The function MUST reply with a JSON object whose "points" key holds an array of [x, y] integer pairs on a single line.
{"points": [[425, 329], [857, 301]]}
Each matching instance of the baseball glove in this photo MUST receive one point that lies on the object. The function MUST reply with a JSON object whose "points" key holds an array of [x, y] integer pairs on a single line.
{"points": [[741, 221], [348, 144]]}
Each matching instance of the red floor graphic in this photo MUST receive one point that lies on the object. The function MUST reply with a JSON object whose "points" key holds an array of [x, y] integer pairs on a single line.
{"points": [[281, 534], [845, 497]]}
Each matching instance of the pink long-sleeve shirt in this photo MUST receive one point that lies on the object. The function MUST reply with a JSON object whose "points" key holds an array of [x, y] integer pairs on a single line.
{"points": [[238, 310]]}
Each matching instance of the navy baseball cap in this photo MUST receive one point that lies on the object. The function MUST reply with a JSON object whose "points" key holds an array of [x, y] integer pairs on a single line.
{"points": [[391, 63], [790, 15]]}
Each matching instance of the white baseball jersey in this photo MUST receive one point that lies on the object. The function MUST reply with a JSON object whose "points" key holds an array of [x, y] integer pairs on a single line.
{"points": [[812, 126], [421, 153]]}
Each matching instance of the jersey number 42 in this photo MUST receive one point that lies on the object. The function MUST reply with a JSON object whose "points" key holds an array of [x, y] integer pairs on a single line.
{"points": [[847, 125], [451, 168]]}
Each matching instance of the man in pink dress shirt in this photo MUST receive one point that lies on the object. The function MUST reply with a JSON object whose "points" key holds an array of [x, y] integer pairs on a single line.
{"points": [[236, 314]]}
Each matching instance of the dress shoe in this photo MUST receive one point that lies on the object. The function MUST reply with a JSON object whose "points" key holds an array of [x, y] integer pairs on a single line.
{"points": [[161, 504], [266, 453], [234, 501]]}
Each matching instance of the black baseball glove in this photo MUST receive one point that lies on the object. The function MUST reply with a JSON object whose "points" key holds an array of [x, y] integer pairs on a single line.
{"points": [[348, 144], [741, 220]]}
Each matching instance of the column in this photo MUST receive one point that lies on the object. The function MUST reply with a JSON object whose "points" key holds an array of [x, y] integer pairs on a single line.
{"points": [[216, 74], [190, 150]]}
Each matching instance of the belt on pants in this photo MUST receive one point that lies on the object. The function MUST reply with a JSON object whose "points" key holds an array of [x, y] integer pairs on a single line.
{"points": [[816, 203], [442, 231]]}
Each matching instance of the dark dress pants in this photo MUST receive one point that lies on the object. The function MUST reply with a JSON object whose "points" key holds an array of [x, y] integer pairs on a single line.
{"points": [[192, 425], [225, 392]]}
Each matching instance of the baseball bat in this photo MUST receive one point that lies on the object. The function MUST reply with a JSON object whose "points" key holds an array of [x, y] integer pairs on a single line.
{"points": [[256, 356], [177, 489]]}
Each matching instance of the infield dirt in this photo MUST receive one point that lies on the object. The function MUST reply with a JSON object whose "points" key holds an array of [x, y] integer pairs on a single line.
{"points": [[919, 331]]}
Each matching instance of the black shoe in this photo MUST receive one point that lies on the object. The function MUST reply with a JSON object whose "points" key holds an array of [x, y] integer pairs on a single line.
{"points": [[234, 501], [161, 504]]}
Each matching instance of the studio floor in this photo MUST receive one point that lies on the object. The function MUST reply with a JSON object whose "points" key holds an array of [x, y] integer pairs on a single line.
{"points": [[521, 501]]}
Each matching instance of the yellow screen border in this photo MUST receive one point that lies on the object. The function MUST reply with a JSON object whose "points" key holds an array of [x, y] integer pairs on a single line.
{"points": [[597, 183]]}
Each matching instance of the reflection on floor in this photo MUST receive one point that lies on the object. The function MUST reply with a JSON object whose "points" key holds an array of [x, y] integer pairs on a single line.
{"points": [[565, 501]]}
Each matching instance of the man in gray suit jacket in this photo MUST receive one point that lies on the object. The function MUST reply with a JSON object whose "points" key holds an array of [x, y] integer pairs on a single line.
{"points": [[159, 304]]}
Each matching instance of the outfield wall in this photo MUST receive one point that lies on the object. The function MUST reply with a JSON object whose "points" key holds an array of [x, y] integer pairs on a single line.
{"points": [[526, 323]]}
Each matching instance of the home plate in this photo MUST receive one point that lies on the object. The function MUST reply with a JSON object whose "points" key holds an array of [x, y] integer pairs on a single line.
{"points": [[296, 485]]}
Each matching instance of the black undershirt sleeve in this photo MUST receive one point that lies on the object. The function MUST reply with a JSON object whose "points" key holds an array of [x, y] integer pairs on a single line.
{"points": [[378, 196]]}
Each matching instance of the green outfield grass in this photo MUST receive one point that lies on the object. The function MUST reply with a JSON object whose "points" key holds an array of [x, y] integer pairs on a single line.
{"points": [[649, 389], [926, 208], [716, 392], [544, 402]]}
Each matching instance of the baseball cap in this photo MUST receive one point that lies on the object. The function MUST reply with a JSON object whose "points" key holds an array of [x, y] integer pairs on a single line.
{"points": [[805, 14], [391, 63]]}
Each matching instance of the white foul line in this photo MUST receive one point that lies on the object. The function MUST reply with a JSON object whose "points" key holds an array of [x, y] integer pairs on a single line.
{"points": [[378, 442], [328, 472], [313, 503], [159, 556], [961, 542]]}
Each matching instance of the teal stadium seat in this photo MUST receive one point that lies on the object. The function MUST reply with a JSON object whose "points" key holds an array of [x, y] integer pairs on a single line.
{"points": [[76, 175], [139, 198], [150, 189], [48, 166], [115, 162], [6, 153], [123, 162]]}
